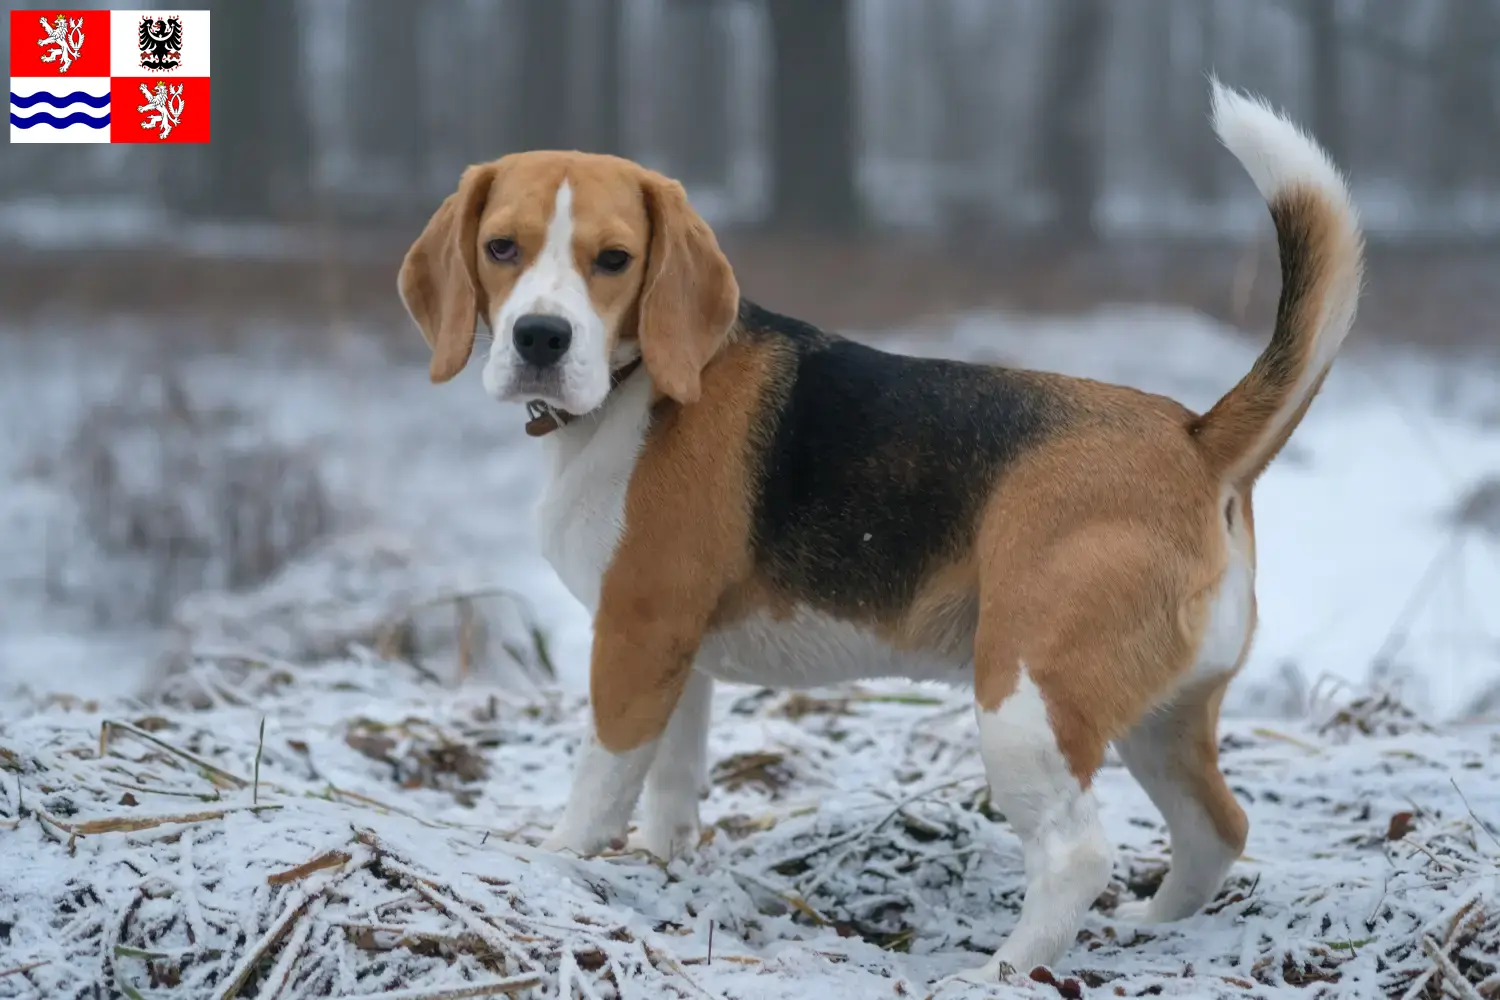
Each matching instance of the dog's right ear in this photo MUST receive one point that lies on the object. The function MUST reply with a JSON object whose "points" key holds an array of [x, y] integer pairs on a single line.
{"points": [[439, 279]]}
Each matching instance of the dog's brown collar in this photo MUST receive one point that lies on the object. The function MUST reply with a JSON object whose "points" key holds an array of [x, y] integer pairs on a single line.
{"points": [[544, 420]]}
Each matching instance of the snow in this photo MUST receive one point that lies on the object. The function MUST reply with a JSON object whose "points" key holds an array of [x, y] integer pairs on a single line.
{"points": [[814, 882], [79, 224], [850, 854]]}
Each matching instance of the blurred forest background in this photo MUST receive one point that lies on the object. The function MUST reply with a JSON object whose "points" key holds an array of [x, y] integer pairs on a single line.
{"points": [[867, 162], [226, 427]]}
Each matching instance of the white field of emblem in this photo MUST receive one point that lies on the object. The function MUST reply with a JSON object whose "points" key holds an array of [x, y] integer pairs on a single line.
{"points": [[166, 102], [65, 39]]}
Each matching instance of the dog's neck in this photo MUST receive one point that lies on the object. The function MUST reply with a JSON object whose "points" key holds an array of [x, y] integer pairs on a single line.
{"points": [[544, 419]]}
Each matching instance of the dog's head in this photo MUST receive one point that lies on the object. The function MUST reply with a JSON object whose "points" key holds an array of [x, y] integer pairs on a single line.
{"points": [[578, 263]]}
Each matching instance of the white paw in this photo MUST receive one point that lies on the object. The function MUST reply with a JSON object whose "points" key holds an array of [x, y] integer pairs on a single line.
{"points": [[989, 974], [584, 843], [1136, 911], [667, 838], [670, 826]]}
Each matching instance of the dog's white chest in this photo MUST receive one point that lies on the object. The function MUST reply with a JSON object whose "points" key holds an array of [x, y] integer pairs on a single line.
{"points": [[582, 511]]}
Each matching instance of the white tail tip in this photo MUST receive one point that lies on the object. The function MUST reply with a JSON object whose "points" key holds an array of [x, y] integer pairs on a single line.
{"points": [[1275, 151]]}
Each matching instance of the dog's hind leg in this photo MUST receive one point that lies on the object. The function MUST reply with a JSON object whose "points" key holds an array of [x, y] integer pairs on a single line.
{"points": [[1173, 753], [1064, 664], [1068, 859]]}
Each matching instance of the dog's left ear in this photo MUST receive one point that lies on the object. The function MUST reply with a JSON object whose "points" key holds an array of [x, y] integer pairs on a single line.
{"points": [[439, 279], [689, 299]]}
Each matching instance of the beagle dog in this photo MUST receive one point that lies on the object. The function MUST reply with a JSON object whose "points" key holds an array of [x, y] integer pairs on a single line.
{"points": [[737, 495]]}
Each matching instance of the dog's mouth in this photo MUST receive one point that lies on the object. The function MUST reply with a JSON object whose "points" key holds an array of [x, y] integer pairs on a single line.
{"points": [[534, 386], [547, 415], [548, 403]]}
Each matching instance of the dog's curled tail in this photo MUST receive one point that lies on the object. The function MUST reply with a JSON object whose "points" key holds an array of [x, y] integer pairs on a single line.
{"points": [[1322, 265]]}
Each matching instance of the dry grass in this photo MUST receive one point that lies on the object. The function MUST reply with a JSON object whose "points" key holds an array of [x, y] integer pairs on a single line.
{"points": [[179, 498]]}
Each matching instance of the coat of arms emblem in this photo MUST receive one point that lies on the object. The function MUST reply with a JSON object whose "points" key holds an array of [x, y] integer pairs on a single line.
{"points": [[65, 36], [167, 102], [160, 40]]}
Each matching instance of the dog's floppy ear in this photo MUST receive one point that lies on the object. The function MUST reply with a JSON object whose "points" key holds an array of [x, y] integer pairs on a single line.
{"points": [[689, 299], [439, 279]]}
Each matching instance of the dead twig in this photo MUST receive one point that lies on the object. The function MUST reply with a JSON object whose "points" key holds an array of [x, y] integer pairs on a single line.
{"points": [[485, 931], [497, 987], [109, 726], [1481, 824], [133, 824], [659, 955], [260, 746], [19, 969], [281, 973], [255, 953], [328, 859], [1451, 975], [874, 828], [292, 912], [463, 609]]}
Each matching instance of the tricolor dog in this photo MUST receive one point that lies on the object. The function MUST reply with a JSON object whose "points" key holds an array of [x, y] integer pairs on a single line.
{"points": [[736, 495]]}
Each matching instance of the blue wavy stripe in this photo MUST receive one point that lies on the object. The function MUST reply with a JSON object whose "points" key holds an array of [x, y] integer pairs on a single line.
{"points": [[45, 118], [76, 97]]}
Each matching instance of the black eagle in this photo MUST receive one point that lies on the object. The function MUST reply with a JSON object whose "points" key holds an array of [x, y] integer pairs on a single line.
{"points": [[161, 42]]}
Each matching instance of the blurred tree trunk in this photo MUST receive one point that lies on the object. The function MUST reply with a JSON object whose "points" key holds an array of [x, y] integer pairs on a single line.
{"points": [[1069, 150], [260, 159], [965, 116], [544, 85], [388, 119], [812, 107], [1326, 58], [608, 127], [700, 130], [1466, 126], [1196, 148], [1161, 91]]}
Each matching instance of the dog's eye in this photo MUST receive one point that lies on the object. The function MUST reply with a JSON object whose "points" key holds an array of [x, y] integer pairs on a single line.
{"points": [[504, 251], [612, 261]]}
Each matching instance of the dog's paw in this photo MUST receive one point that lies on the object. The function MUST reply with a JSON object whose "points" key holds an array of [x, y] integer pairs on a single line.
{"points": [[584, 843], [669, 822], [670, 826], [992, 973], [1138, 912], [667, 840]]}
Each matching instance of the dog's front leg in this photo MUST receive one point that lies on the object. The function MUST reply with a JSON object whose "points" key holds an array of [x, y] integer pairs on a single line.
{"points": [[640, 666], [604, 792], [679, 776]]}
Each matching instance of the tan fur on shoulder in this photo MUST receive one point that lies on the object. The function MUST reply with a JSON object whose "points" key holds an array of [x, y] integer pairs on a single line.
{"points": [[685, 548]]}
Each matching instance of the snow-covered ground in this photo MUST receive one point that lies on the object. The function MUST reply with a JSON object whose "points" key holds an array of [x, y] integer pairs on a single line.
{"points": [[376, 838], [153, 860]]}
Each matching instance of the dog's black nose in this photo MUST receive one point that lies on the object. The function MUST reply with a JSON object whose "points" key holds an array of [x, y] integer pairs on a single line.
{"points": [[542, 340]]}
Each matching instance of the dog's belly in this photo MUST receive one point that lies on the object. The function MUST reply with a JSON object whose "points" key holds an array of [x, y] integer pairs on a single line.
{"points": [[811, 649]]}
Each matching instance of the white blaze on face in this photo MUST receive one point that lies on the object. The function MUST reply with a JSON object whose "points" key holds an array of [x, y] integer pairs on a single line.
{"points": [[551, 285]]}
